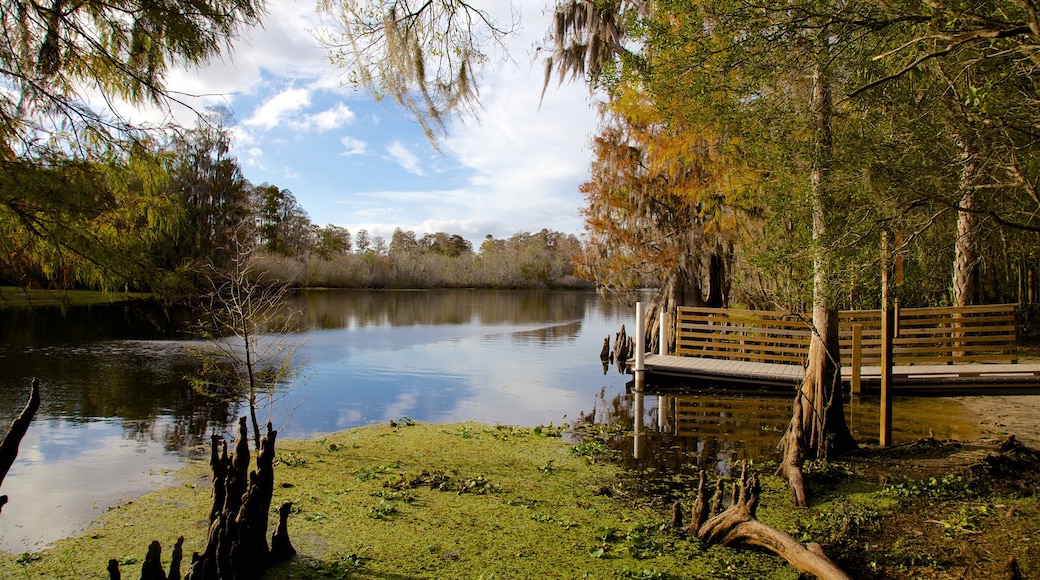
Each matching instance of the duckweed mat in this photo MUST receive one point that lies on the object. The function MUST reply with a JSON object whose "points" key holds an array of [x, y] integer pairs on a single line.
{"points": [[410, 500]]}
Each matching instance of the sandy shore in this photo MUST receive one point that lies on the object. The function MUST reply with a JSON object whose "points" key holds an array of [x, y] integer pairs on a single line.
{"points": [[1000, 416]]}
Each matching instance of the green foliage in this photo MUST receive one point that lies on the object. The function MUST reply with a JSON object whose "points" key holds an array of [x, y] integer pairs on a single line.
{"points": [[593, 450], [950, 485], [99, 223], [841, 520], [123, 49], [83, 196]]}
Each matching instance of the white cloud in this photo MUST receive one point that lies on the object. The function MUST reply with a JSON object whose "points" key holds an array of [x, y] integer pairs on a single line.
{"points": [[353, 146], [404, 157], [253, 157], [278, 109], [333, 118]]}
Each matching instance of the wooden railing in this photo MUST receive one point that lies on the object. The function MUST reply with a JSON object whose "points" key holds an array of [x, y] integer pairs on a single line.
{"points": [[922, 336], [973, 334], [745, 335]]}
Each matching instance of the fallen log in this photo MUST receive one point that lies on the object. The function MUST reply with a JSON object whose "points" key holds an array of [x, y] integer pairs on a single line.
{"points": [[739, 525]]}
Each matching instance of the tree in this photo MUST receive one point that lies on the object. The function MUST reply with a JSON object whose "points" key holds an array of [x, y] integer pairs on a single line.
{"points": [[57, 61], [332, 241], [661, 203], [53, 55], [209, 181], [972, 70], [282, 224], [104, 222], [426, 55], [362, 243], [248, 353], [451, 245], [403, 243]]}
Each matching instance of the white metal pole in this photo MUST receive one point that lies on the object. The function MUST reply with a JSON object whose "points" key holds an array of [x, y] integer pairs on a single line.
{"points": [[662, 334], [640, 340]]}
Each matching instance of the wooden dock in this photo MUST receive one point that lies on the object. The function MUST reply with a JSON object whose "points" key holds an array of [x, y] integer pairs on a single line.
{"points": [[907, 379], [940, 351]]}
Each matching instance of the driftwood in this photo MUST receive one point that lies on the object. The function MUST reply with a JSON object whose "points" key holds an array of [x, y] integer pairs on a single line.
{"points": [[738, 525], [19, 427], [236, 545]]}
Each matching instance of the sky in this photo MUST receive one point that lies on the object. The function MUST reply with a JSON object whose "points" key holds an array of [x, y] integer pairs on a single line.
{"points": [[360, 164]]}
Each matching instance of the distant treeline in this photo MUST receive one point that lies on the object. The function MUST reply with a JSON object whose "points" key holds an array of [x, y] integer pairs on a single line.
{"points": [[545, 259]]}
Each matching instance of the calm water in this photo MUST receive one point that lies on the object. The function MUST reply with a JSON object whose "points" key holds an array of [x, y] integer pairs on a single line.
{"points": [[117, 412]]}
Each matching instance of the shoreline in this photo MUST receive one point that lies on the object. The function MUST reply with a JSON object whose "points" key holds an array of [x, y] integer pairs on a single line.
{"points": [[521, 499], [1003, 415]]}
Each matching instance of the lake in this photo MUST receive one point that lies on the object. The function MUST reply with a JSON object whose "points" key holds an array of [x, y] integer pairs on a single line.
{"points": [[118, 414]]}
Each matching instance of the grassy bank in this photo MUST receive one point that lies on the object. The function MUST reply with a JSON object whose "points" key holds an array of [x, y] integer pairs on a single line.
{"points": [[470, 500]]}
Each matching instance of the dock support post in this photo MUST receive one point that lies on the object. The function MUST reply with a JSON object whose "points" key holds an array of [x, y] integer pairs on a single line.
{"points": [[888, 331], [640, 339], [662, 332], [857, 358], [638, 423], [639, 372]]}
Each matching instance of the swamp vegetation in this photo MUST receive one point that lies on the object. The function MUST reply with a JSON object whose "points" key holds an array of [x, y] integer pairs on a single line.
{"points": [[471, 500]]}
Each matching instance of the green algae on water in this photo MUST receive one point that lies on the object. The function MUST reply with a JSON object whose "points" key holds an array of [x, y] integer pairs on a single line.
{"points": [[422, 501]]}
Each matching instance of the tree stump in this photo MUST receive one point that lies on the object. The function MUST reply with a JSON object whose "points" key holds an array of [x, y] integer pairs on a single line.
{"points": [[236, 544]]}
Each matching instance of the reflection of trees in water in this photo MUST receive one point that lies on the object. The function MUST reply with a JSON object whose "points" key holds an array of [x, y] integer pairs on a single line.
{"points": [[549, 335], [122, 321], [687, 432], [187, 427], [356, 308], [140, 384]]}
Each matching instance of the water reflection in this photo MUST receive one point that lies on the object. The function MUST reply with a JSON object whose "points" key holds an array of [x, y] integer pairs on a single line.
{"points": [[116, 404], [713, 430]]}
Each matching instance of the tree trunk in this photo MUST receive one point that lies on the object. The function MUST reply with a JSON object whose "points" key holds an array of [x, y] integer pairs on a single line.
{"points": [[818, 421], [717, 275], [965, 255]]}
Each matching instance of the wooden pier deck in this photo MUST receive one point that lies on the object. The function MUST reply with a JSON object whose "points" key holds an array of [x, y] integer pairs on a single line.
{"points": [[907, 379], [709, 370], [947, 351]]}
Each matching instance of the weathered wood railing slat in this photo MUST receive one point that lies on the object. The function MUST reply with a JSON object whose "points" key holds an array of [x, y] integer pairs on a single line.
{"points": [[747, 335], [948, 335]]}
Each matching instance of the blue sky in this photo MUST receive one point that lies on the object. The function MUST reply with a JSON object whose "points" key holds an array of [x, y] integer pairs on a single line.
{"points": [[360, 164]]}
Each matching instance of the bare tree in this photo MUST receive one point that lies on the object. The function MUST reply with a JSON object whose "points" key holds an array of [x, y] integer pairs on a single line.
{"points": [[247, 324]]}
